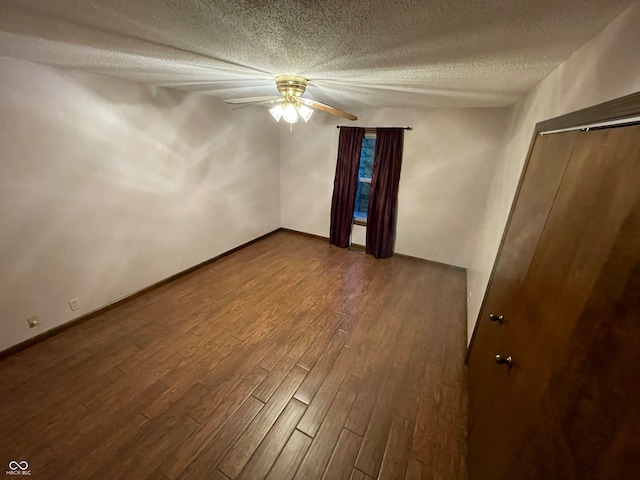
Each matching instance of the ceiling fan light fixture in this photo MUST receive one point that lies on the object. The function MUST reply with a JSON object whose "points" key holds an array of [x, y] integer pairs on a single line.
{"points": [[305, 112], [277, 112], [290, 113], [290, 105]]}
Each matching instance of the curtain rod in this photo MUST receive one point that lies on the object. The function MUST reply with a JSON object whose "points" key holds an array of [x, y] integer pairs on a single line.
{"points": [[373, 128]]}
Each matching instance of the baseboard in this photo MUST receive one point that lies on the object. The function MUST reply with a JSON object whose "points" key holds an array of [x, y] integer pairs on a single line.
{"points": [[305, 234], [87, 316], [361, 248], [432, 262]]}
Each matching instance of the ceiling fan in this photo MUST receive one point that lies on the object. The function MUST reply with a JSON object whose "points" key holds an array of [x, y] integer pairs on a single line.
{"points": [[290, 106]]}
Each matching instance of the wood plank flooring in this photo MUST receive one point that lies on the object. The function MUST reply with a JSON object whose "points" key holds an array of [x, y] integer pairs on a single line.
{"points": [[289, 359]]}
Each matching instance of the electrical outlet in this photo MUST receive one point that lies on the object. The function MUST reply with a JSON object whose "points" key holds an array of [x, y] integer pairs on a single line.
{"points": [[33, 321], [74, 304]]}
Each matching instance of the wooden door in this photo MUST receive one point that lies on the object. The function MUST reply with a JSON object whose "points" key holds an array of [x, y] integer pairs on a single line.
{"points": [[570, 406], [537, 192]]}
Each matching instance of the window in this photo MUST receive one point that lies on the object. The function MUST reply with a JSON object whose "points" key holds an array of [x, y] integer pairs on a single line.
{"points": [[365, 172]]}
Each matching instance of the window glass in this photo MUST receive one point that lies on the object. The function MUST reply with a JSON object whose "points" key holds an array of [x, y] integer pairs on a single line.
{"points": [[365, 171], [366, 157]]}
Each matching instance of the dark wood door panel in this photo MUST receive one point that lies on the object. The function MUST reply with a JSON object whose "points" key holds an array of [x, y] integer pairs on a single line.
{"points": [[596, 196], [560, 359], [570, 406], [587, 427], [537, 192]]}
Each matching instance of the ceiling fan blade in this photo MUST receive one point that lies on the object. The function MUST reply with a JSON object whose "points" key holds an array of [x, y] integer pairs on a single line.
{"points": [[254, 104], [328, 108], [236, 101]]}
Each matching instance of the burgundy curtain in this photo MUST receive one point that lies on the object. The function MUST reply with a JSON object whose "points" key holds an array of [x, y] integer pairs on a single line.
{"points": [[383, 196], [345, 185]]}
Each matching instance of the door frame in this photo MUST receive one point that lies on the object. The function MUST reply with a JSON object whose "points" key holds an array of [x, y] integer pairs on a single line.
{"points": [[617, 109]]}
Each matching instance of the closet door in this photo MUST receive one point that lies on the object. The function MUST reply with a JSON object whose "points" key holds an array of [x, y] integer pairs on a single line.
{"points": [[570, 405], [538, 189]]}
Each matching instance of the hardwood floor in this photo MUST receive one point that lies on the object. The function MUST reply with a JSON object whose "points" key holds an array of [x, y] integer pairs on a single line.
{"points": [[289, 359]]}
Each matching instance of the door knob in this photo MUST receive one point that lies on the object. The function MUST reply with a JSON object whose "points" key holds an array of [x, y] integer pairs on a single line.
{"points": [[496, 318], [500, 360]]}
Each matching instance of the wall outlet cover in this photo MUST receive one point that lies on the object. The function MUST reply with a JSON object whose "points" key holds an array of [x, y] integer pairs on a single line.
{"points": [[74, 304]]}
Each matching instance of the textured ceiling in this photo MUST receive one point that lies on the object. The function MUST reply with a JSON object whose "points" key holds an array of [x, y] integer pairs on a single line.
{"points": [[357, 54]]}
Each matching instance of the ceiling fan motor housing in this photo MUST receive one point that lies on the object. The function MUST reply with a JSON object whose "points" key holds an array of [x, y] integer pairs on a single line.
{"points": [[291, 85]]}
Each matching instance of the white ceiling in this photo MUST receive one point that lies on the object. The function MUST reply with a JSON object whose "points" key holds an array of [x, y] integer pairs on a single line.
{"points": [[357, 54]]}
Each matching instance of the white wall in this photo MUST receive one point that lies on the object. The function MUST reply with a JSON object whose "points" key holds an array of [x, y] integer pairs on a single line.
{"points": [[107, 186], [605, 68], [448, 163]]}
